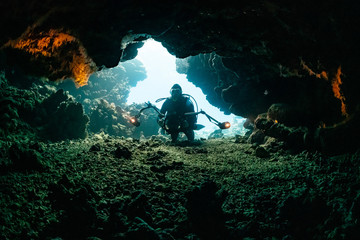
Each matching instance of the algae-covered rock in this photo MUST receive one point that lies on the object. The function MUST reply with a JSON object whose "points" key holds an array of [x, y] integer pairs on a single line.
{"points": [[53, 101], [67, 122], [113, 120]]}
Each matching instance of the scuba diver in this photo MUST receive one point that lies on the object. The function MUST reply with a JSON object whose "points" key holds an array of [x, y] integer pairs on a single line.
{"points": [[177, 115], [173, 118]]}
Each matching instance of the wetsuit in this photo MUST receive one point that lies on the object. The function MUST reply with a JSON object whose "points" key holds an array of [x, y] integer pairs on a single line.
{"points": [[175, 119]]}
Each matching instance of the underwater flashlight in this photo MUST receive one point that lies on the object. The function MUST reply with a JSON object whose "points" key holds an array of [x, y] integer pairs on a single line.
{"points": [[135, 121], [224, 125]]}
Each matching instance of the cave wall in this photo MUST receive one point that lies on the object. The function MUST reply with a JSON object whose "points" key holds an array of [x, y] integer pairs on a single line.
{"points": [[35, 109], [207, 72], [302, 53], [112, 85]]}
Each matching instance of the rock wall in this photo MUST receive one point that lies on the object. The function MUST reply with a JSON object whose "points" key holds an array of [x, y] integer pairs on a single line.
{"points": [[112, 85], [34, 108], [207, 72]]}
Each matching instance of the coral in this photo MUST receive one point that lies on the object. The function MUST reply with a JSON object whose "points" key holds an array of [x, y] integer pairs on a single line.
{"points": [[114, 120], [106, 118]]}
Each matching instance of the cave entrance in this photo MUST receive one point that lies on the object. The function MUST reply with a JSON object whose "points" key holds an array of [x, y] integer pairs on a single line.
{"points": [[161, 75]]}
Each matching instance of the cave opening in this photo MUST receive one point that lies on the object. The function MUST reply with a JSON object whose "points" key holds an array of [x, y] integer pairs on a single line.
{"points": [[73, 167], [162, 73]]}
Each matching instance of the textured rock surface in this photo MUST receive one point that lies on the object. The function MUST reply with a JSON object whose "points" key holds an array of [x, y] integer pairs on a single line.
{"points": [[301, 56], [216, 190]]}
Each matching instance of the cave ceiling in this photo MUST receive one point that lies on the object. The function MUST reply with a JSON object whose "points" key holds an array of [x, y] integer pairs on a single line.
{"points": [[279, 51]]}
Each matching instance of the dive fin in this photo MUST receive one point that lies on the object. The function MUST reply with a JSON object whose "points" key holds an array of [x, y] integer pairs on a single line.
{"points": [[198, 126]]}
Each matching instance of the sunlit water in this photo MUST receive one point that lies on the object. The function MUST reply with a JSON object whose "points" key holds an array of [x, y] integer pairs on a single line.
{"points": [[161, 76]]}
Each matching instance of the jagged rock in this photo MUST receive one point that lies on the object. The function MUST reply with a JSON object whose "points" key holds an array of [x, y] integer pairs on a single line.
{"points": [[84, 195], [282, 113], [272, 144], [240, 139], [112, 85], [256, 137], [248, 124], [163, 168], [208, 72], [53, 101], [340, 138], [279, 131], [160, 169], [262, 122], [139, 207], [114, 120], [67, 122], [271, 68]]}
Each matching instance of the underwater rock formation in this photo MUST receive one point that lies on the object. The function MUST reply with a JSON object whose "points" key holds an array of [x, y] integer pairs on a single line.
{"points": [[42, 110], [289, 67], [115, 121], [28, 113], [207, 72], [301, 54], [67, 122], [270, 40], [107, 118], [61, 117], [18, 111], [112, 85]]}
